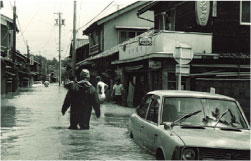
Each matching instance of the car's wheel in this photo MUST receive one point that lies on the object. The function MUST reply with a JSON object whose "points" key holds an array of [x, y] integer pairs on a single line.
{"points": [[160, 155], [131, 135]]}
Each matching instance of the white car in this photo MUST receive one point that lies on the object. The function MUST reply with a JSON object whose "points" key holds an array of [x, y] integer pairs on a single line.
{"points": [[188, 125], [37, 84]]}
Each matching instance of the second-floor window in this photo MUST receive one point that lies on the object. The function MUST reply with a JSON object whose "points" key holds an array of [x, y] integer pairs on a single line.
{"points": [[96, 42], [94, 38], [126, 35], [245, 12]]}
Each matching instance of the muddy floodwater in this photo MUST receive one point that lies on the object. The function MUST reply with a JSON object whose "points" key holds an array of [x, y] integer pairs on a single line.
{"points": [[32, 128]]}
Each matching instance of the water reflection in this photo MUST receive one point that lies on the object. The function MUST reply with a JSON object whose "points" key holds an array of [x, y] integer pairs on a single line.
{"points": [[8, 116]]}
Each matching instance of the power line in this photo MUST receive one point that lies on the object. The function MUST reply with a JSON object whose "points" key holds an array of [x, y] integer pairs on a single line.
{"points": [[95, 16], [48, 38], [19, 25], [21, 32], [34, 15], [11, 4]]}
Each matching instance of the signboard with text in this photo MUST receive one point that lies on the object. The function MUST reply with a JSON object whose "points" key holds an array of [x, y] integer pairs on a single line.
{"points": [[145, 41], [154, 64], [202, 10]]}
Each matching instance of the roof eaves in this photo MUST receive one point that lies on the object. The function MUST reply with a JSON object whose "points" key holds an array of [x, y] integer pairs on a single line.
{"points": [[147, 7], [113, 15], [121, 11]]}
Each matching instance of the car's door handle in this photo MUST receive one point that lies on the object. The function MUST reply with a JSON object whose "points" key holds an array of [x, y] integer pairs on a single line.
{"points": [[155, 134], [142, 126]]}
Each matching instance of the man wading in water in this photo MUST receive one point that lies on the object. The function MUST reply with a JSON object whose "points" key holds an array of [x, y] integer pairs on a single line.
{"points": [[81, 97]]}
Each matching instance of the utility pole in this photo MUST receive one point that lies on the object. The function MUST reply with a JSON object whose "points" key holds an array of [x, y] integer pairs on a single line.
{"points": [[15, 83], [14, 34], [74, 41], [29, 71], [59, 22]]}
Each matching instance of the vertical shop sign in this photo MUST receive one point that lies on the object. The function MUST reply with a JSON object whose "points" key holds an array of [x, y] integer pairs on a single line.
{"points": [[202, 9]]}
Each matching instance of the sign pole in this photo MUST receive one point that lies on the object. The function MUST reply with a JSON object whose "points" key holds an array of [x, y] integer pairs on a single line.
{"points": [[179, 74], [183, 55]]}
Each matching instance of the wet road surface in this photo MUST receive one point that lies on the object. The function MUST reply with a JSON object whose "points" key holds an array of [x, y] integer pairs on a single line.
{"points": [[32, 128]]}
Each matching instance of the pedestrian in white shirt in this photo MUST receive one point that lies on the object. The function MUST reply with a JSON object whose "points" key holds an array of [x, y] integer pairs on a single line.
{"points": [[101, 88], [117, 92]]}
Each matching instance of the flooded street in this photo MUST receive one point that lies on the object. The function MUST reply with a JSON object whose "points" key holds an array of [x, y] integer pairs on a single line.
{"points": [[33, 128]]}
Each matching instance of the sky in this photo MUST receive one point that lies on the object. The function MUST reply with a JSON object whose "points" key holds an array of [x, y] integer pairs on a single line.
{"points": [[36, 22]]}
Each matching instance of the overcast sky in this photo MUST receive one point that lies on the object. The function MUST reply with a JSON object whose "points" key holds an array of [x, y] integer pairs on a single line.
{"points": [[36, 22]]}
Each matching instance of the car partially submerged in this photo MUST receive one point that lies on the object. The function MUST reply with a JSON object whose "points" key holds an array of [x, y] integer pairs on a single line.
{"points": [[188, 125]]}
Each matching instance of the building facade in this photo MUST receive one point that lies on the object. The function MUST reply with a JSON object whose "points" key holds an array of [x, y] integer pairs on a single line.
{"points": [[8, 73], [105, 36], [215, 33], [219, 36], [15, 68]]}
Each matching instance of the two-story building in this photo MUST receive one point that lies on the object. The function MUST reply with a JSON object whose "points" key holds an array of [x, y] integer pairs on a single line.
{"points": [[107, 33], [14, 69], [217, 33], [8, 72]]}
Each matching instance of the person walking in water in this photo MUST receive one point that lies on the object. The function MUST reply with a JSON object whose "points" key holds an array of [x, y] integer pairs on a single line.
{"points": [[81, 98], [117, 92], [101, 88]]}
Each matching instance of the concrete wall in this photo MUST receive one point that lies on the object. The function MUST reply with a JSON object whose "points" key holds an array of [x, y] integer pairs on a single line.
{"points": [[127, 19]]}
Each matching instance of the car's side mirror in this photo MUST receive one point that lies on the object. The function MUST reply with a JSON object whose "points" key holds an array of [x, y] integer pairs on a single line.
{"points": [[166, 126], [137, 109]]}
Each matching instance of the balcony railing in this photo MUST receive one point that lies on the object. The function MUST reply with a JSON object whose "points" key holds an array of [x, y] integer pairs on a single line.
{"points": [[164, 42]]}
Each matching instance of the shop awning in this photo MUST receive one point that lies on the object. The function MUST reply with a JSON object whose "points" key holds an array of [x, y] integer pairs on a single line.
{"points": [[34, 73], [9, 73], [131, 28], [222, 74], [104, 54], [223, 79], [152, 55], [133, 68], [84, 62], [221, 66], [22, 72], [6, 59], [26, 78]]}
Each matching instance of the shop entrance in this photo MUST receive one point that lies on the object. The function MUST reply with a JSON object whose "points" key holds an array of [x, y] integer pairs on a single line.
{"points": [[137, 87]]}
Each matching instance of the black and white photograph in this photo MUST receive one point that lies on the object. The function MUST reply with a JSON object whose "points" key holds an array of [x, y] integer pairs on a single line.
{"points": [[125, 80]]}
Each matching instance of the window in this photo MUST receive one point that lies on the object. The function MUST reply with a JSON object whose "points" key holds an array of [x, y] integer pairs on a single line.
{"points": [[142, 109], [126, 35], [95, 42], [123, 36], [245, 13], [175, 108], [139, 33], [153, 111], [131, 35]]}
